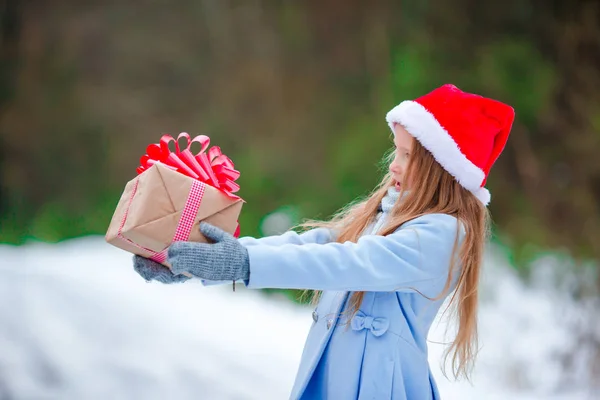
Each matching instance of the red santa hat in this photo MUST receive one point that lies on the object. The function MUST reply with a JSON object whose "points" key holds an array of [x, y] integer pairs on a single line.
{"points": [[464, 132]]}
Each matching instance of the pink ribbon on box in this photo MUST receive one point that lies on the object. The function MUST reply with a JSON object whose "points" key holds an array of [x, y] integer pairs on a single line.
{"points": [[184, 226], [213, 167]]}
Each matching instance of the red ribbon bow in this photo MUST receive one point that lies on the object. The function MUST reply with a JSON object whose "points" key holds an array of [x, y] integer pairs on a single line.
{"points": [[213, 167]]}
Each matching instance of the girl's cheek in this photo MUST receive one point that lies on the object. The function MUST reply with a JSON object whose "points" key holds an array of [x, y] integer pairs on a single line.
{"points": [[403, 164]]}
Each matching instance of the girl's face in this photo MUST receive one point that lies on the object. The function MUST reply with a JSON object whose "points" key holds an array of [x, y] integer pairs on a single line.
{"points": [[403, 142]]}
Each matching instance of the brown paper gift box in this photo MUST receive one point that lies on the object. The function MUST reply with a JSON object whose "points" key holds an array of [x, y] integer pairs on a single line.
{"points": [[150, 207]]}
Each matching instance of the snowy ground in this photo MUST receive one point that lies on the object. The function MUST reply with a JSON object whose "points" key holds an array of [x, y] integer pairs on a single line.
{"points": [[77, 323]]}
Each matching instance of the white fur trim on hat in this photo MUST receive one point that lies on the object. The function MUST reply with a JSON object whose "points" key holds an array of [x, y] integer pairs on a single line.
{"points": [[424, 127], [483, 195]]}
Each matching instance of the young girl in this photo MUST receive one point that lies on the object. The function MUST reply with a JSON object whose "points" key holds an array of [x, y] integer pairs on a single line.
{"points": [[384, 265]]}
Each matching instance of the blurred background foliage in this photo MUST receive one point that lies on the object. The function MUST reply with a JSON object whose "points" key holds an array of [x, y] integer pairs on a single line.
{"points": [[296, 94]]}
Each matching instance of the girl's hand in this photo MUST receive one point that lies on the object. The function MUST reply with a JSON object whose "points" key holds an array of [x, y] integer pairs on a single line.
{"points": [[224, 260], [151, 270]]}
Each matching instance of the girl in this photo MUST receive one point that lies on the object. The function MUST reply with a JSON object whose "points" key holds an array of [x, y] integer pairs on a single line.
{"points": [[385, 265]]}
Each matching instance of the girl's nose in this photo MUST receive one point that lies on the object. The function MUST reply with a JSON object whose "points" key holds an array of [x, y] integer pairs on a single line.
{"points": [[395, 168]]}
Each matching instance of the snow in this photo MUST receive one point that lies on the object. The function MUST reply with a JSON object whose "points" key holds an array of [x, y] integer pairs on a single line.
{"points": [[76, 322]]}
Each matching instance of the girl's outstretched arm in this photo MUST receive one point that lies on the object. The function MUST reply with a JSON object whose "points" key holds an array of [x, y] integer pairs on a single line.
{"points": [[415, 257]]}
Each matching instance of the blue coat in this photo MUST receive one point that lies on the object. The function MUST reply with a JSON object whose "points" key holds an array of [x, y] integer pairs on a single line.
{"points": [[382, 352]]}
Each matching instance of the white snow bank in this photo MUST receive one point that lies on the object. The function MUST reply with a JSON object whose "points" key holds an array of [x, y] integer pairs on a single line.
{"points": [[76, 322]]}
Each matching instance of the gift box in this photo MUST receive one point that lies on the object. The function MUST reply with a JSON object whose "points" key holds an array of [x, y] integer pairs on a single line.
{"points": [[173, 192]]}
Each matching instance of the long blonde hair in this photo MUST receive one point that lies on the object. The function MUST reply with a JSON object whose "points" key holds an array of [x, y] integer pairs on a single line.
{"points": [[438, 192]]}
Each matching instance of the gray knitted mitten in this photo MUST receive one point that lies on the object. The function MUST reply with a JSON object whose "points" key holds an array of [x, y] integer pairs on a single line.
{"points": [[224, 260], [151, 270]]}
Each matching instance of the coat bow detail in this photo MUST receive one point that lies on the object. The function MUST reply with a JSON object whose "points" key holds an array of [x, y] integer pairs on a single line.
{"points": [[378, 325]]}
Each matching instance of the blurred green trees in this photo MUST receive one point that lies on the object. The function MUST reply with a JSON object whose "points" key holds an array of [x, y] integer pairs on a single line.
{"points": [[295, 93]]}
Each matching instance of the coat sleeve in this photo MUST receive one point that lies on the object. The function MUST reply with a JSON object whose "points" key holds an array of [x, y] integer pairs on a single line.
{"points": [[313, 236], [415, 257]]}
